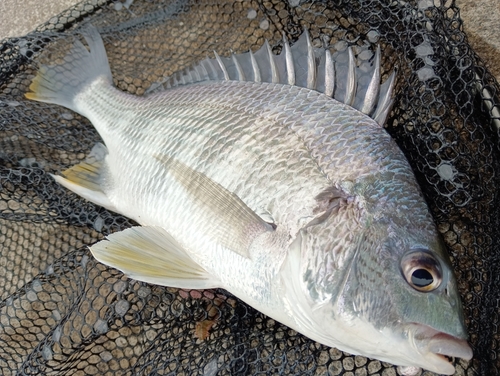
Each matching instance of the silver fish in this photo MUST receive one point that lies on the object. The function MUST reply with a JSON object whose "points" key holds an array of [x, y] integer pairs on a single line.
{"points": [[246, 174]]}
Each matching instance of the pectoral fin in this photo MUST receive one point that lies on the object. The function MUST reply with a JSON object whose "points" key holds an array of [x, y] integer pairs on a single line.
{"points": [[235, 226], [85, 178], [151, 254]]}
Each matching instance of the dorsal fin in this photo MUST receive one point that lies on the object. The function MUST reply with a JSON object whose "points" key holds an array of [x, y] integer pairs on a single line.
{"points": [[275, 76], [336, 75], [255, 67], [385, 100], [329, 74], [241, 74], [311, 63], [350, 91], [371, 96], [221, 66], [290, 67]]}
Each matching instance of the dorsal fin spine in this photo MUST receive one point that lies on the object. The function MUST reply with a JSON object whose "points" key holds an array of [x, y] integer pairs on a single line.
{"points": [[350, 92], [241, 74], [383, 113], [290, 66], [311, 63], [196, 76], [329, 74], [385, 101], [371, 96], [275, 78], [189, 78], [255, 67], [212, 69], [204, 73], [222, 66]]}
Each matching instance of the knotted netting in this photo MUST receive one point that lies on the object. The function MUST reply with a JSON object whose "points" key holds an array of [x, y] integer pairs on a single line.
{"points": [[63, 313]]}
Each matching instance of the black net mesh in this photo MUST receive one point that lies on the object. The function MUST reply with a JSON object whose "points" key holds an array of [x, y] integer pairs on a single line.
{"points": [[63, 313]]}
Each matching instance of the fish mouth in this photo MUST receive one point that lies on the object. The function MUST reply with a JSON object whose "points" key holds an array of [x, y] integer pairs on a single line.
{"points": [[445, 345], [440, 348]]}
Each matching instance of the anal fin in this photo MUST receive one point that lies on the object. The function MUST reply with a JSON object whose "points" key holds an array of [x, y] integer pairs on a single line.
{"points": [[150, 254], [85, 178]]}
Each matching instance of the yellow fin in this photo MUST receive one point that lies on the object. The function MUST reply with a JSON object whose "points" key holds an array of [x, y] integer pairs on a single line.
{"points": [[235, 225], [85, 175], [61, 83], [150, 254], [85, 178]]}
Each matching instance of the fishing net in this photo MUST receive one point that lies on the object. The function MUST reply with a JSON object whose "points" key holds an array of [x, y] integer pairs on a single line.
{"points": [[63, 313]]}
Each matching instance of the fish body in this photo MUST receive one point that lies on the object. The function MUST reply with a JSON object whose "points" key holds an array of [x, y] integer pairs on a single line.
{"points": [[300, 205]]}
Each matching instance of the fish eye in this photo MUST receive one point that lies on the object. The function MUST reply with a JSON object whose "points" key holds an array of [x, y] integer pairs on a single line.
{"points": [[421, 270]]}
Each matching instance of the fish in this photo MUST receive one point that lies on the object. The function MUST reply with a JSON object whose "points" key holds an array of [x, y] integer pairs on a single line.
{"points": [[269, 176]]}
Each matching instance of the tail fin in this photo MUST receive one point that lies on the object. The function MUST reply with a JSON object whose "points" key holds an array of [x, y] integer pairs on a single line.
{"points": [[59, 84]]}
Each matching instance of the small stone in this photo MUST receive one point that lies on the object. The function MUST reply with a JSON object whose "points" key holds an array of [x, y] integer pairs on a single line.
{"points": [[264, 25]]}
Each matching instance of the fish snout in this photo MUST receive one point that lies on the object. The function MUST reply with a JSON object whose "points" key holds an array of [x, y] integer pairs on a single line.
{"points": [[438, 348], [447, 345]]}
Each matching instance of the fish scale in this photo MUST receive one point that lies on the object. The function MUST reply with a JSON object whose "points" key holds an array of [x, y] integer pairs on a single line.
{"points": [[300, 205], [166, 135], [222, 152]]}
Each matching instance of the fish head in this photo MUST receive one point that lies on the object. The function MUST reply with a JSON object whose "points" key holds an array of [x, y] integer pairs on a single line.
{"points": [[404, 286], [383, 293]]}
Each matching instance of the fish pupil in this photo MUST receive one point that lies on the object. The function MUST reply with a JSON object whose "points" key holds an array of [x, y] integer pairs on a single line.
{"points": [[421, 278]]}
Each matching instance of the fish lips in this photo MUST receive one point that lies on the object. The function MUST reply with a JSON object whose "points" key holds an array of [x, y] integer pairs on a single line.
{"points": [[437, 347], [444, 344]]}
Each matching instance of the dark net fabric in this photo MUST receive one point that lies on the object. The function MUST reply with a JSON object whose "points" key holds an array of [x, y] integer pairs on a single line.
{"points": [[63, 313]]}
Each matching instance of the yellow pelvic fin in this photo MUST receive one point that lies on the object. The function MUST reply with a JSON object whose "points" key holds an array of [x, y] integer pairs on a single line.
{"points": [[150, 254]]}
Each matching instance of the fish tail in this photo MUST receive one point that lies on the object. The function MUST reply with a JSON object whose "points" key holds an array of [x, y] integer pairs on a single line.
{"points": [[61, 83]]}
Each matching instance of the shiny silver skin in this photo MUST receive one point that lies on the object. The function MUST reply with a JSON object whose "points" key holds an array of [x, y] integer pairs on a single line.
{"points": [[298, 204]]}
